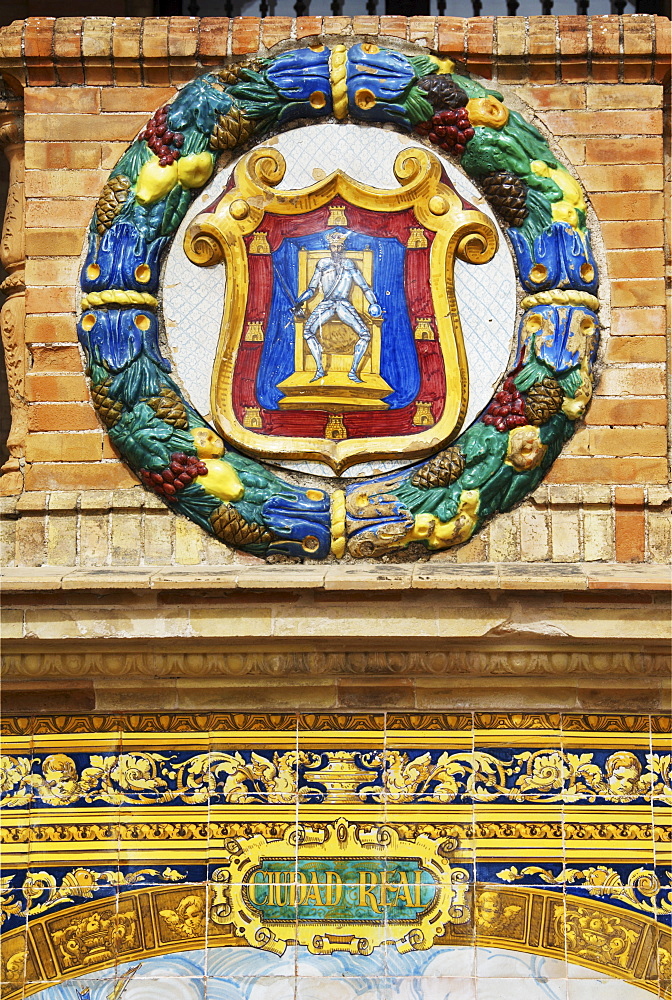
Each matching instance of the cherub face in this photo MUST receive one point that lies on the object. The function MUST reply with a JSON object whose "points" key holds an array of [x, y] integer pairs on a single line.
{"points": [[623, 780], [488, 907], [61, 785]]}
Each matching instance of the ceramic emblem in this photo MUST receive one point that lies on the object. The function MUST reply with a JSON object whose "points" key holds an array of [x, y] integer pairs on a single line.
{"points": [[347, 348]]}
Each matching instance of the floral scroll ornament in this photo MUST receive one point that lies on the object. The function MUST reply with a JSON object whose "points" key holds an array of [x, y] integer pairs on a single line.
{"points": [[330, 777], [495, 462]]}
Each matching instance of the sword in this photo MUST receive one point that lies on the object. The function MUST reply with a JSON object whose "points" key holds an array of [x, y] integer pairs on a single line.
{"points": [[288, 295]]}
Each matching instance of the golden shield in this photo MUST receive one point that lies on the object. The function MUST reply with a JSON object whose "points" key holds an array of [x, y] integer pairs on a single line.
{"points": [[341, 338]]}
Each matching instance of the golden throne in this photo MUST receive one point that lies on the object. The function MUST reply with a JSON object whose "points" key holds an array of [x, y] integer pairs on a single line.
{"points": [[335, 392]]}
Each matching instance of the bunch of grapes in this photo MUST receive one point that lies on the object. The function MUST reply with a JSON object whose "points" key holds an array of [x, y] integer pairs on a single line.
{"points": [[450, 130], [182, 471], [507, 409], [164, 143]]}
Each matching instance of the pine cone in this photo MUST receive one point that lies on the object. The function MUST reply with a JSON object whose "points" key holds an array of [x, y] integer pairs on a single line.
{"points": [[442, 470], [233, 529], [229, 75], [544, 399], [111, 202], [232, 129], [109, 409], [506, 193], [169, 407], [443, 92]]}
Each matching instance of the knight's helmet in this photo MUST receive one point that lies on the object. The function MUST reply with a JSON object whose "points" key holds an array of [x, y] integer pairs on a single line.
{"points": [[336, 239]]}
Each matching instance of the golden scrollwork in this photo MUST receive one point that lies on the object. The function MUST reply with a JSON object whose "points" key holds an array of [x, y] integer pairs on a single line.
{"points": [[282, 778], [459, 233], [642, 890]]}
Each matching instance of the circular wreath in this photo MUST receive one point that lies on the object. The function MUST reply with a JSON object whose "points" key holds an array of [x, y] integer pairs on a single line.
{"points": [[495, 462]]}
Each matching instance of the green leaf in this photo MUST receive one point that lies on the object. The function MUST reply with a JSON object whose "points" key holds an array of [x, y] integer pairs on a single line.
{"points": [[177, 203], [533, 371], [423, 65], [571, 381], [417, 106]]}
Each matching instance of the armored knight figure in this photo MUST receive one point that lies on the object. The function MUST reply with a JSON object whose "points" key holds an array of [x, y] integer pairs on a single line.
{"points": [[335, 276]]}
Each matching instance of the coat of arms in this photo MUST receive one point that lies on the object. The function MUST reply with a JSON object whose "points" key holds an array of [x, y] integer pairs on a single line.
{"points": [[341, 337]]}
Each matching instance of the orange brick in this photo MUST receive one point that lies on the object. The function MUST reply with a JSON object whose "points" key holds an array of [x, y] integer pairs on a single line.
{"points": [[155, 38], [62, 417], [110, 153], [627, 96], [480, 44], [638, 323], [573, 32], [155, 51], [604, 122], [59, 329], [53, 299], [62, 447], [37, 47], [645, 350], [451, 36], [126, 35], [363, 24], [606, 45], [64, 183], [663, 49], [637, 49], [511, 49], [213, 39], [636, 263], [629, 496], [52, 271], [182, 37], [68, 51], [245, 37], [619, 441], [56, 388], [639, 150], [54, 242], [632, 382], [625, 235], [564, 97], [579, 469], [62, 100], [59, 213], [389, 25], [56, 359], [62, 155], [79, 476], [630, 535], [278, 29], [624, 177], [132, 99], [97, 50], [628, 205], [336, 25], [421, 30], [620, 412], [541, 45], [574, 150], [109, 451], [11, 40], [96, 127], [308, 26]]}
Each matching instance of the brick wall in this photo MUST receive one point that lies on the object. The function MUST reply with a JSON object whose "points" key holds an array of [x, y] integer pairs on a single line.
{"points": [[596, 85]]}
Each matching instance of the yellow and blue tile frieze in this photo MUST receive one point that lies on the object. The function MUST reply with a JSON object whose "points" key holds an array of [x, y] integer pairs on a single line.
{"points": [[131, 837]]}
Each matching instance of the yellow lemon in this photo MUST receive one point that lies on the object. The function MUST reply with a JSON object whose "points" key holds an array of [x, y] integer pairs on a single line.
{"points": [[193, 171], [154, 181], [222, 480]]}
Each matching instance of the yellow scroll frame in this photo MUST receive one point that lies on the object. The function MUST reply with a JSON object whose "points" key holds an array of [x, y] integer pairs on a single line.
{"points": [[218, 236]]}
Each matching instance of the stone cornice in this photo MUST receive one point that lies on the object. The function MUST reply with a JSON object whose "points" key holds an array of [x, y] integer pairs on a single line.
{"points": [[393, 577]]}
